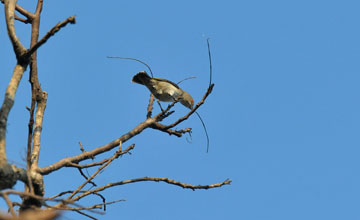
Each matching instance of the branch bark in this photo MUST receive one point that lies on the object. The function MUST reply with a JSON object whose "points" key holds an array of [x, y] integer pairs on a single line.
{"points": [[38, 128], [154, 179], [10, 18], [6, 107]]}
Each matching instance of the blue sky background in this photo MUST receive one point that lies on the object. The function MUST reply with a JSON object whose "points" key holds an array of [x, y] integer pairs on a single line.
{"points": [[283, 118]]}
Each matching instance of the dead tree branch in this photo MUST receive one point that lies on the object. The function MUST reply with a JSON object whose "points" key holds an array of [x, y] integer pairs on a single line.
{"points": [[10, 205], [165, 129], [26, 21], [118, 153], [154, 179], [98, 150], [52, 32], [15, 79], [10, 18], [209, 90], [150, 106], [38, 128], [24, 12], [90, 208], [86, 178]]}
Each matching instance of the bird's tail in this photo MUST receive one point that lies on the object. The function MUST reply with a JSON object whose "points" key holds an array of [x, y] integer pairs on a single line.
{"points": [[141, 78]]}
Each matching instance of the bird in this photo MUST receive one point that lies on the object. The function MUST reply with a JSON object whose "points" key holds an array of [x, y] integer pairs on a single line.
{"points": [[164, 90]]}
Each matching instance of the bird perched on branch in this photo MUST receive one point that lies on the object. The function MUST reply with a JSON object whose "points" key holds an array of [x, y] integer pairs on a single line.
{"points": [[164, 90]]}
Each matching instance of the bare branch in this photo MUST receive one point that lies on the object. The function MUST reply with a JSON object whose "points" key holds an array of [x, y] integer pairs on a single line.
{"points": [[15, 79], [10, 18], [9, 203], [165, 113], [82, 174], [118, 153], [39, 7], [81, 166], [41, 105], [99, 163], [53, 31], [90, 208], [82, 149], [194, 109], [98, 150], [164, 128], [155, 179], [26, 21], [37, 97], [150, 106], [112, 202], [60, 194], [24, 12], [71, 191], [6, 107]]}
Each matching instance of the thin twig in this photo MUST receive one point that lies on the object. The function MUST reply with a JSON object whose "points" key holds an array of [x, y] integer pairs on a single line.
{"points": [[155, 179], [53, 31], [99, 163], [165, 113], [89, 208], [39, 7], [60, 194], [70, 164], [81, 147], [71, 191], [194, 109], [163, 128], [82, 174], [98, 150], [87, 215], [24, 12], [116, 155], [25, 21]]}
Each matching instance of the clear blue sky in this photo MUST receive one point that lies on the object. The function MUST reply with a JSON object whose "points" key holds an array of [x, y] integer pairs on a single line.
{"points": [[283, 118]]}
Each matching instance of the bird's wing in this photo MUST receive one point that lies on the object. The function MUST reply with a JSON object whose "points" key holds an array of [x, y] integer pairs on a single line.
{"points": [[168, 81]]}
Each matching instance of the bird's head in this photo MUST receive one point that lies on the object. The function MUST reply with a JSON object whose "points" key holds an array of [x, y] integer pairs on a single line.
{"points": [[187, 100]]}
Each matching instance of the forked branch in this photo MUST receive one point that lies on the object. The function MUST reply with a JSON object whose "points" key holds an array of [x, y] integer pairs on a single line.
{"points": [[50, 33], [10, 24]]}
